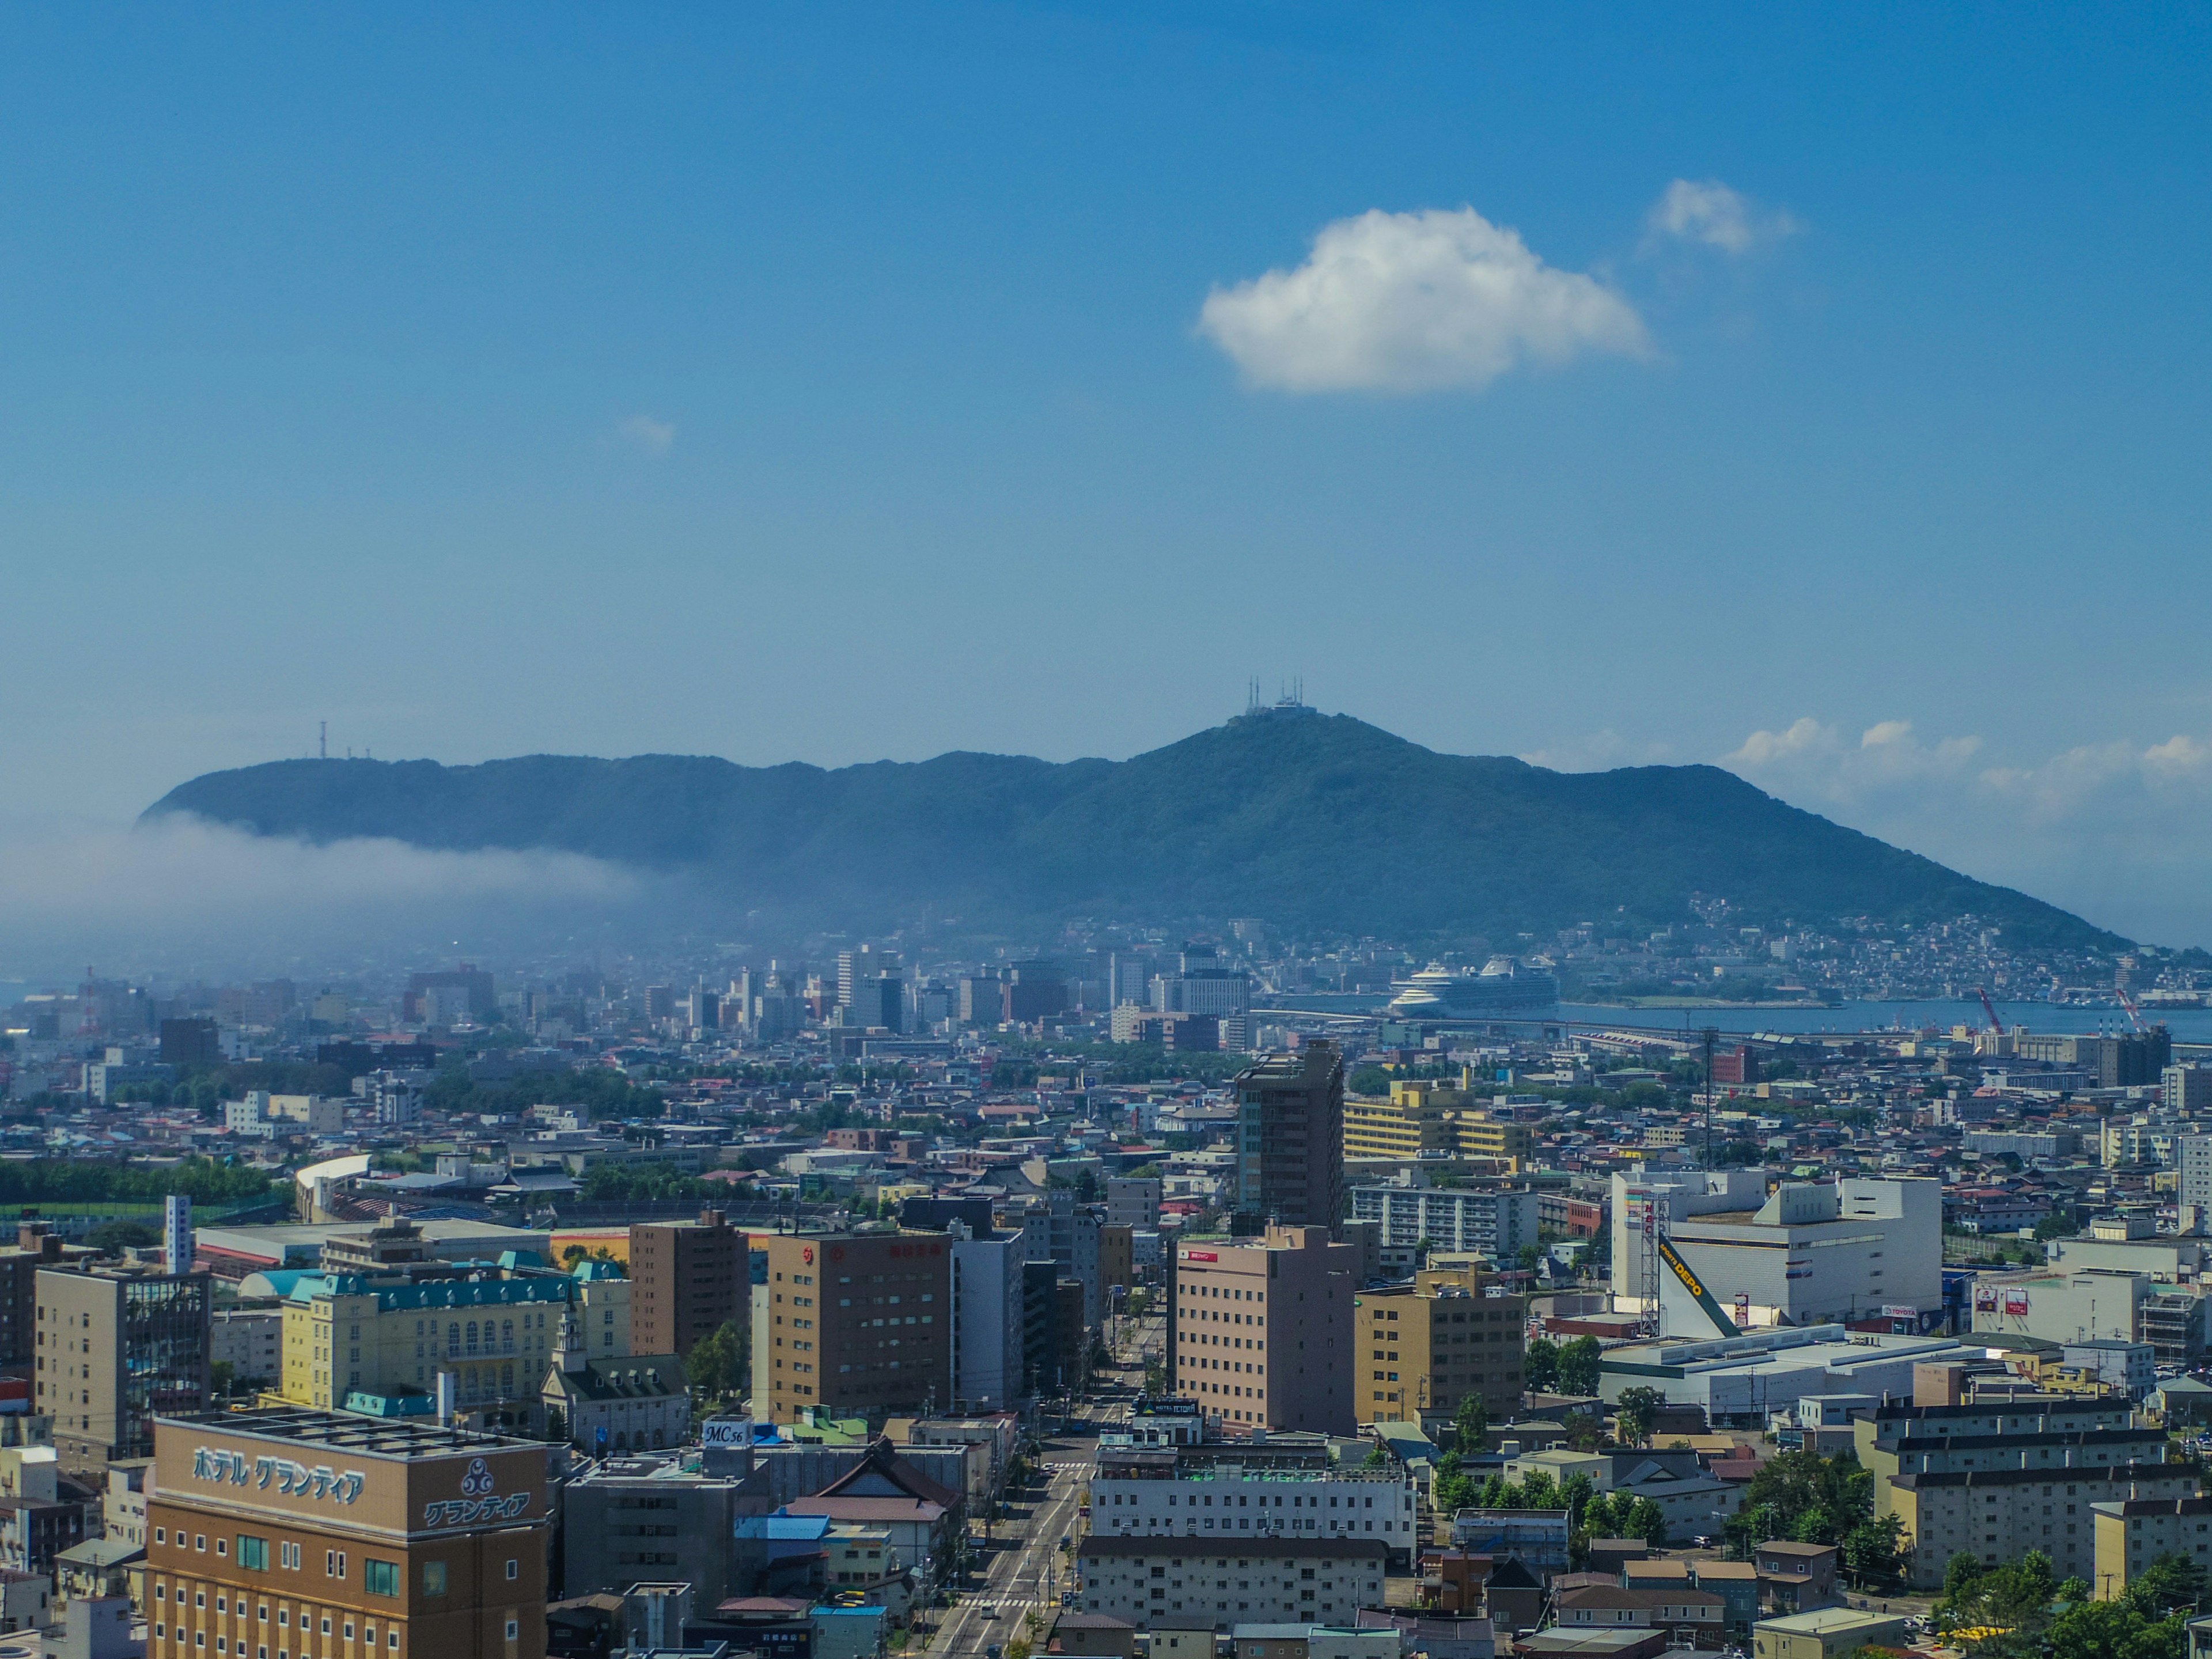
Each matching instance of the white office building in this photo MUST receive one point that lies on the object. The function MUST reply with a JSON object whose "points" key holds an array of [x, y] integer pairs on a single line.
{"points": [[987, 1321]]}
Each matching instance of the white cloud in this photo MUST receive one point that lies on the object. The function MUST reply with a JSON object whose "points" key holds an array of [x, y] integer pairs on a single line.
{"points": [[1599, 751], [1802, 737], [1707, 211], [1415, 303], [182, 891], [1814, 759], [2113, 830], [643, 432]]}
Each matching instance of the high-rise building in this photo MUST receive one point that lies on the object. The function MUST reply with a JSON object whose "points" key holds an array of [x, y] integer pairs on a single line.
{"points": [[1035, 990], [868, 961], [1426, 1346], [985, 1365], [284, 1531], [1068, 1232], [688, 1279], [1289, 1135], [859, 1324], [177, 1233], [877, 1003], [470, 991], [1261, 1333], [1128, 979], [1220, 992], [116, 1349], [191, 1043], [34, 1248], [2186, 1088], [982, 1000]]}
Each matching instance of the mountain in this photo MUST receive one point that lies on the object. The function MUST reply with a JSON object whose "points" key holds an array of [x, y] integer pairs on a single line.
{"points": [[1306, 820]]}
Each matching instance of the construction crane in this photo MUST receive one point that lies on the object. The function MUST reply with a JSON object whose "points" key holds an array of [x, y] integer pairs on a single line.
{"points": [[2128, 1003], [1989, 1008]]}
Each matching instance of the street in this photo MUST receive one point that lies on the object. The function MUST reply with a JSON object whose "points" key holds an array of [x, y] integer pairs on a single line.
{"points": [[1023, 1567]]}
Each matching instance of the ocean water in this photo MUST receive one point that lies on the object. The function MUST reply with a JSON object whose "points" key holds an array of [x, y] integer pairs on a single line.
{"points": [[2187, 1025]]}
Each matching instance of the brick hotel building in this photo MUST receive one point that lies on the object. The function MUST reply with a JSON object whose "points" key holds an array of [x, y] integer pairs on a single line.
{"points": [[291, 1534]]}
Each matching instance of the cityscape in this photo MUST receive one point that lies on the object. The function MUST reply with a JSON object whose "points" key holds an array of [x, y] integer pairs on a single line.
{"points": [[1105, 832]]}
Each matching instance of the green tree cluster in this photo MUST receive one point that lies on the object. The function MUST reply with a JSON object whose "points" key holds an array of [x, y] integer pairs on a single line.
{"points": [[718, 1367], [1571, 1367], [1807, 1499], [2017, 1610], [58, 1181], [1635, 1412]]}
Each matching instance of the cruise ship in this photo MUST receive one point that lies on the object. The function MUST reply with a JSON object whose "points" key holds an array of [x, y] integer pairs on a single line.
{"points": [[1506, 988]]}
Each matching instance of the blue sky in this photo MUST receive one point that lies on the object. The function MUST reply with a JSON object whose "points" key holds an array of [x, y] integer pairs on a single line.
{"points": [[835, 383]]}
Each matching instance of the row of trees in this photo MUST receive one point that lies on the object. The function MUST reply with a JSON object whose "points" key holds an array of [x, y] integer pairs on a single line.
{"points": [[2021, 1610], [91, 1180]]}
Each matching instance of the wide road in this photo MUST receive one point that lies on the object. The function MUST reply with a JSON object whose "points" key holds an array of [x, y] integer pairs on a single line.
{"points": [[1023, 1557]]}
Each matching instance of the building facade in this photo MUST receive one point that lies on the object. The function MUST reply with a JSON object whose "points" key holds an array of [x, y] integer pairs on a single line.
{"points": [[352, 1341], [1495, 1221], [860, 1324], [1230, 1582], [115, 1351], [298, 1533], [688, 1279], [1261, 1333], [1290, 1137], [1129, 1499], [985, 1369], [1426, 1346]]}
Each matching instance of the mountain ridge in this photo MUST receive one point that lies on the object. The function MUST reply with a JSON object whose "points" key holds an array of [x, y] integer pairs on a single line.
{"points": [[1306, 819]]}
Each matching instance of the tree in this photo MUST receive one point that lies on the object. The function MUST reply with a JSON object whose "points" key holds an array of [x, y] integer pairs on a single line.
{"points": [[2170, 1581], [1645, 1520], [1454, 1489], [1875, 1550], [116, 1237], [717, 1367], [1578, 1366], [1540, 1365], [1637, 1410], [1470, 1423], [1527, 1256], [1598, 1518], [1803, 1497], [1585, 1432]]}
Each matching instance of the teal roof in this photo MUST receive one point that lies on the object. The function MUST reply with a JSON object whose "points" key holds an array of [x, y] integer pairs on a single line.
{"points": [[591, 1268], [436, 1292], [414, 1403]]}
